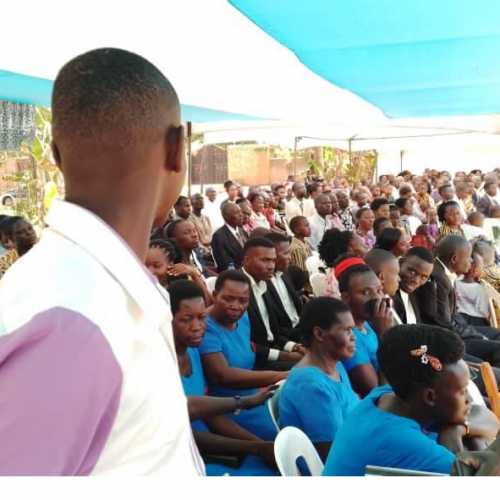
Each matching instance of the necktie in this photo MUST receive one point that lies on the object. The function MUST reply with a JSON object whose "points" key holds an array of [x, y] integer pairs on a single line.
{"points": [[301, 205]]}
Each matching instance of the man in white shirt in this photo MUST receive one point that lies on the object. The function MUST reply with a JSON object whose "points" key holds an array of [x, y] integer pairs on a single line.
{"points": [[320, 221], [90, 383], [259, 257], [212, 208], [299, 205]]}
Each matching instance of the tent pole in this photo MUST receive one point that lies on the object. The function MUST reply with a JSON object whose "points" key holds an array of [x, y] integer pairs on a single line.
{"points": [[296, 140], [350, 152], [401, 153], [190, 158]]}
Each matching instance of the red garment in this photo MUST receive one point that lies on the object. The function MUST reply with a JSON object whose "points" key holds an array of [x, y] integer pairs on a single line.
{"points": [[419, 240]]}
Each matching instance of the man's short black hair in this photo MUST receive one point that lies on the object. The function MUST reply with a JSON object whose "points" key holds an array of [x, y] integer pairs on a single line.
{"points": [[488, 184], [404, 190], [375, 259], [389, 238], [378, 222], [109, 96], [378, 202], [231, 275], [228, 184], [401, 202], [443, 187], [422, 253], [257, 242], [448, 246], [277, 238], [183, 290], [296, 222], [180, 201]]}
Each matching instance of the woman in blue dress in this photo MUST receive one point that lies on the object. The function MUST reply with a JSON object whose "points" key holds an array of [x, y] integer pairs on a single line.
{"points": [[215, 434], [362, 291], [227, 354], [317, 395], [423, 417]]}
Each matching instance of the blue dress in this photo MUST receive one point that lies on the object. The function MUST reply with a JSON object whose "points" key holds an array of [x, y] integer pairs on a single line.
{"points": [[194, 385], [316, 404], [366, 349], [371, 436], [236, 347]]}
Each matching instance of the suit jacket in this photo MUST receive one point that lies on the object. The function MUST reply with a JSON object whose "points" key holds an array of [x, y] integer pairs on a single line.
{"points": [[286, 328], [258, 329], [226, 249], [438, 305], [399, 307], [484, 205]]}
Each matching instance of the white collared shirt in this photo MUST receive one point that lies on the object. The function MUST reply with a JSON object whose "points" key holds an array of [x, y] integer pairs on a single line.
{"points": [[235, 233], [286, 300], [296, 207], [93, 330], [451, 276], [319, 226], [259, 290], [411, 318]]}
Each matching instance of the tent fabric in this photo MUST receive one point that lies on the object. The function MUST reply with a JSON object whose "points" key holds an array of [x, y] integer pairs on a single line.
{"points": [[215, 57], [409, 58]]}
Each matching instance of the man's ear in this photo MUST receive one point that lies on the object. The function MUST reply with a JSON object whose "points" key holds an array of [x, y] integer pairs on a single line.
{"points": [[56, 154], [175, 149]]}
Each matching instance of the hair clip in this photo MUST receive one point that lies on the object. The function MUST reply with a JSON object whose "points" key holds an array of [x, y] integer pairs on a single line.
{"points": [[427, 358]]}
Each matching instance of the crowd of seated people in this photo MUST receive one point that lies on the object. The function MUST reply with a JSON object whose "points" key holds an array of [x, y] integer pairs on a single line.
{"points": [[374, 356], [395, 255]]}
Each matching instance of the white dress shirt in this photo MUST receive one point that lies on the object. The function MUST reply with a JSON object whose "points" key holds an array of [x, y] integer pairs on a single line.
{"points": [[259, 290], [318, 227], [411, 318], [295, 207], [289, 306]]}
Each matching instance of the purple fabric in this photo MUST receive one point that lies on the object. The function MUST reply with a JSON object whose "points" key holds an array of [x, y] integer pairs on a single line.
{"points": [[60, 387]]}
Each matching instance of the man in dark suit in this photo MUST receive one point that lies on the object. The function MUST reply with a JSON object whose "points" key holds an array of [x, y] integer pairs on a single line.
{"points": [[228, 240], [437, 300], [415, 270], [286, 303], [488, 201], [259, 257]]}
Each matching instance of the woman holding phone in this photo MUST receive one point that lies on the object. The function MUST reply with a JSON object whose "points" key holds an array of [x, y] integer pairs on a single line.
{"points": [[363, 292]]}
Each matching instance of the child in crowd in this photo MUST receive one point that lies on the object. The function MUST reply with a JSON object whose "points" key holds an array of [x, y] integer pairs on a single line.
{"points": [[432, 221], [491, 272], [300, 248], [472, 301], [423, 238], [395, 216]]}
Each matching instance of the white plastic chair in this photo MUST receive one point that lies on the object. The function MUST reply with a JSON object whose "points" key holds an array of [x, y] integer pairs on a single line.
{"points": [[292, 444], [312, 264], [493, 299], [318, 284], [273, 404], [210, 282]]}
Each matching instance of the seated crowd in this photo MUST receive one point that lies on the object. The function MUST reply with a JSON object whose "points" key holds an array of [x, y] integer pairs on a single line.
{"points": [[365, 306]]}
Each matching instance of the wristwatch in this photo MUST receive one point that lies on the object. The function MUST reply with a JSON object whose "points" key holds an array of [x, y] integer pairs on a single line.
{"points": [[239, 405]]}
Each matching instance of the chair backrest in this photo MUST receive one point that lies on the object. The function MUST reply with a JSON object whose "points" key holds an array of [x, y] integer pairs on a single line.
{"points": [[210, 282], [318, 284], [273, 405], [493, 301], [292, 444], [312, 264], [490, 383]]}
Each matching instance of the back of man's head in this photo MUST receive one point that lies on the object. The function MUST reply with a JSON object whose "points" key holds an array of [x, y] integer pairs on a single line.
{"points": [[377, 259], [110, 98], [448, 246]]}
